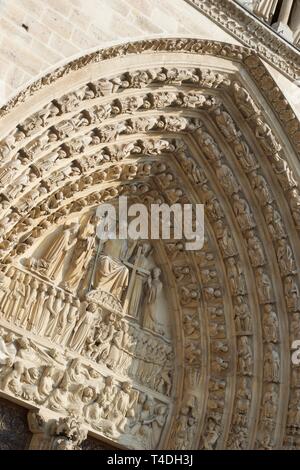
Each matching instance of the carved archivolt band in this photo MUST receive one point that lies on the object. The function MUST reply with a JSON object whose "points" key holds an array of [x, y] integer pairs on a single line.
{"points": [[256, 35], [209, 126]]}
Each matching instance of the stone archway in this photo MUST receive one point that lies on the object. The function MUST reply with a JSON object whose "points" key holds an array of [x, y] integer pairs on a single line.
{"points": [[166, 120]]}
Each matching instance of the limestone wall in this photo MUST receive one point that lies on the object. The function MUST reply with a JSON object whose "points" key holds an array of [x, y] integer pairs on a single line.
{"points": [[36, 35]]}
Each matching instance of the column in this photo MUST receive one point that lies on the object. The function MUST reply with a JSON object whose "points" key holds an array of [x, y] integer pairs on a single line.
{"points": [[285, 11], [265, 9], [294, 22], [281, 26]]}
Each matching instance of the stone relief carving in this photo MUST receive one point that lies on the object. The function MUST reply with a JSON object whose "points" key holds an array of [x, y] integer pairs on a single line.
{"points": [[42, 376], [55, 434], [95, 326], [64, 312]]}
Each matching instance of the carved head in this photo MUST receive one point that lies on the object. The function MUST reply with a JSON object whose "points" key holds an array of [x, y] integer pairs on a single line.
{"points": [[156, 272], [161, 410], [296, 316], [211, 424], [52, 137], [10, 337], [127, 387], [21, 276], [250, 234], [92, 307], [10, 272], [148, 404], [43, 288], [147, 104], [294, 193], [109, 381], [23, 343], [76, 365], [61, 153], [146, 247], [60, 294], [243, 383], [236, 86], [48, 371], [88, 394], [269, 349], [19, 135], [35, 373], [9, 362], [110, 317], [184, 410], [185, 270], [93, 373], [244, 340]]}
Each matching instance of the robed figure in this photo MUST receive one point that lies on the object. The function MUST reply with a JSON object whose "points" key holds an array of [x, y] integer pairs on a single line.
{"points": [[81, 255], [56, 254], [153, 289], [111, 275], [142, 263]]}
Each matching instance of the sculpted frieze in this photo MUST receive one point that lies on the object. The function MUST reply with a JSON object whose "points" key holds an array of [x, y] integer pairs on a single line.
{"points": [[94, 326], [39, 375]]}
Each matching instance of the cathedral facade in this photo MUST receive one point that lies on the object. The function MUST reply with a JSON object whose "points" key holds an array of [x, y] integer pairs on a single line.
{"points": [[139, 343]]}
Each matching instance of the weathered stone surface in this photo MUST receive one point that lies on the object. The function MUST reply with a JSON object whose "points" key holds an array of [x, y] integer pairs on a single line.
{"points": [[143, 344]]}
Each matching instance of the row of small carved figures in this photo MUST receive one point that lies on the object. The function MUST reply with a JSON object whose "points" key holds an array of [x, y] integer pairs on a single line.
{"points": [[245, 359], [108, 133], [155, 348], [242, 316], [122, 346], [77, 388], [48, 142], [29, 201], [239, 436], [50, 312], [74, 167], [103, 87], [153, 171], [77, 146], [108, 340]]}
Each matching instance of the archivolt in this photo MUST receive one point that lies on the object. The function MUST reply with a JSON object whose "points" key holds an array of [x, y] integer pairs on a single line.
{"points": [[209, 114]]}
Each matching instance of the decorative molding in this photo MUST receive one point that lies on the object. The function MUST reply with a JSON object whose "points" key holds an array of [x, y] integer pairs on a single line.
{"points": [[253, 33]]}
